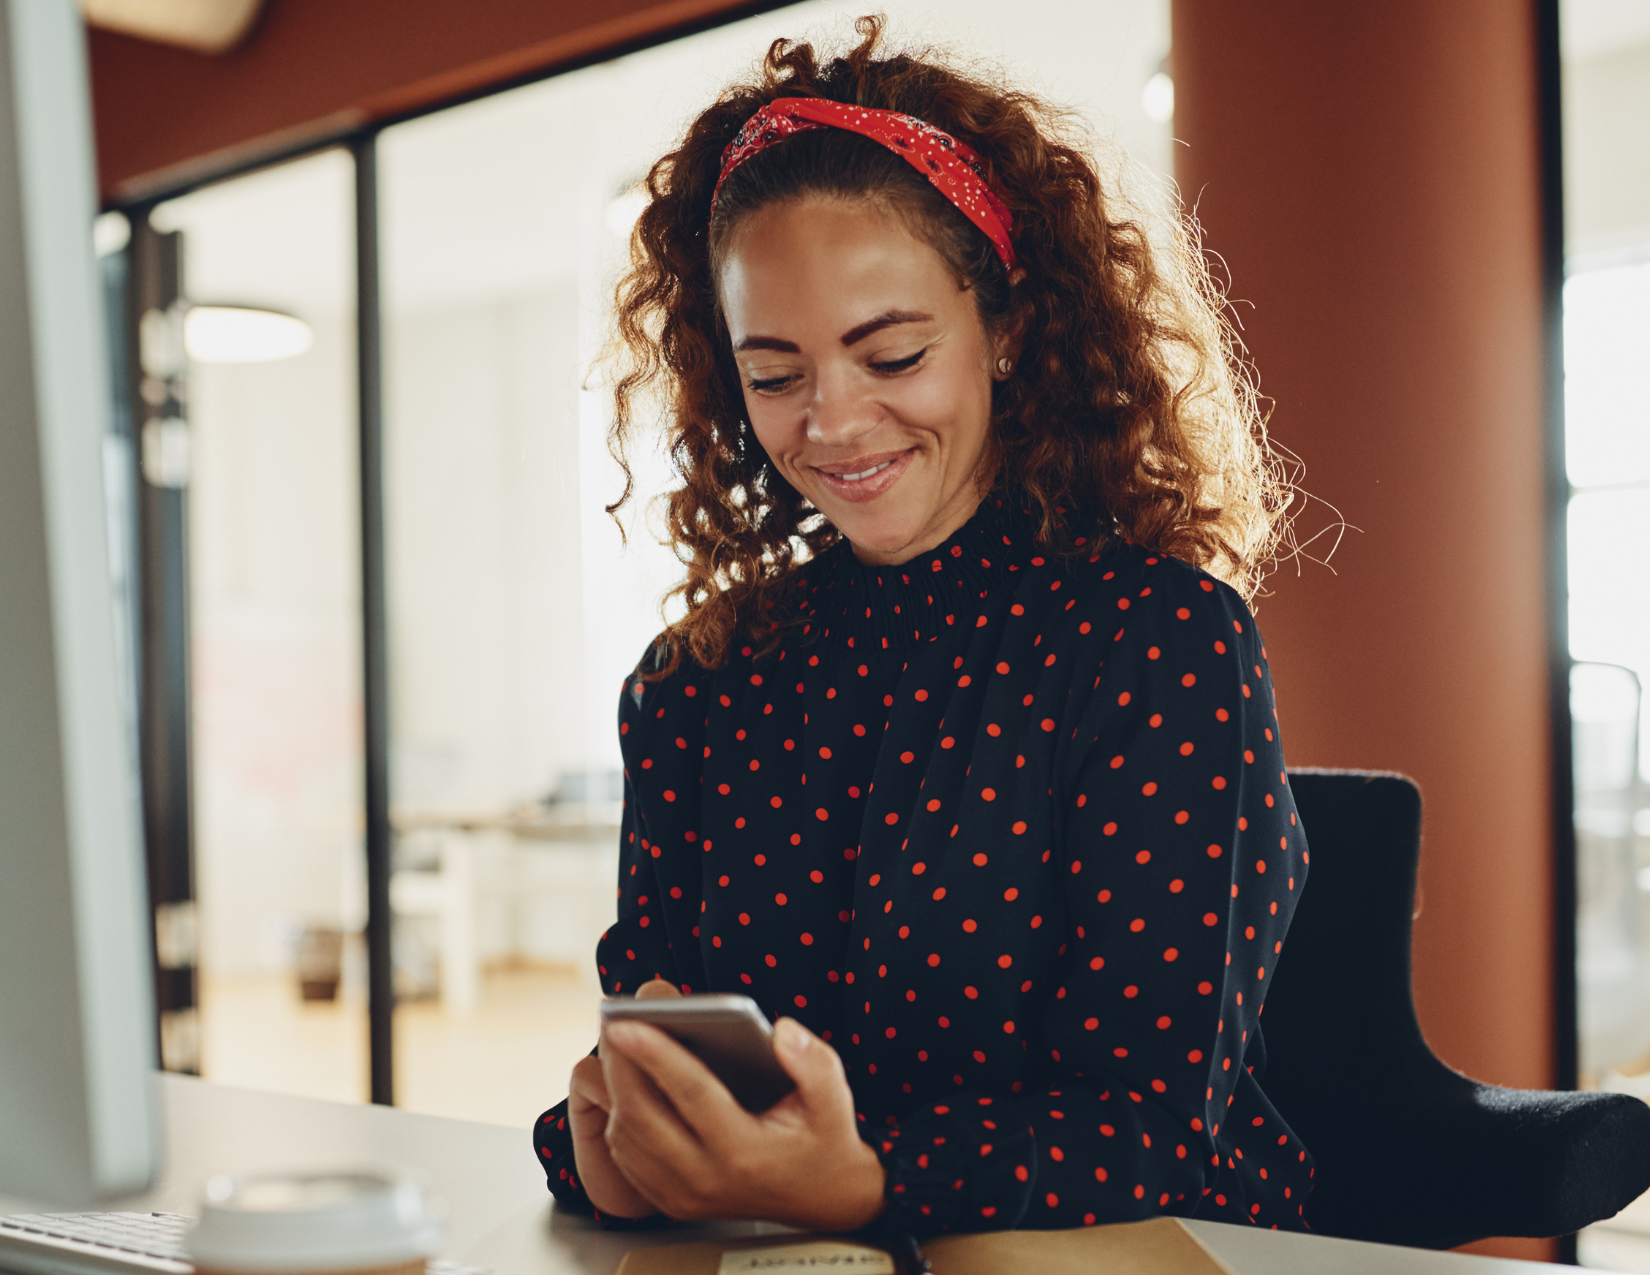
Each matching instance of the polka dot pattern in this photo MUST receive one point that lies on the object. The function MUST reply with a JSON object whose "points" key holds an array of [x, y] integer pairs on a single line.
{"points": [[1014, 835]]}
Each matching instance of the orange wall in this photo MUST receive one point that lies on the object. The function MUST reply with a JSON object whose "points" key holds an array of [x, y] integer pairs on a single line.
{"points": [[314, 67], [1369, 174]]}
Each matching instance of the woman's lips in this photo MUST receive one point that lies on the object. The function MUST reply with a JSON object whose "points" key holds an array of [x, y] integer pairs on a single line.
{"points": [[866, 477]]}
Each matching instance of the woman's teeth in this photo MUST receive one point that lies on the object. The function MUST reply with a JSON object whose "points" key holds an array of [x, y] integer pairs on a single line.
{"points": [[875, 469]]}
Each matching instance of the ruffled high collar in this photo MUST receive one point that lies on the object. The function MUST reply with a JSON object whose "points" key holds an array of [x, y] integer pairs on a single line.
{"points": [[897, 607]]}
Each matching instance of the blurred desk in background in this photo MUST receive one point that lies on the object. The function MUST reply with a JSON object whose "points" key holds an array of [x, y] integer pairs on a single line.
{"points": [[530, 883]]}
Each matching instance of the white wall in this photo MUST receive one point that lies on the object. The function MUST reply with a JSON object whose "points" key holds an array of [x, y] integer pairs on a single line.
{"points": [[483, 522]]}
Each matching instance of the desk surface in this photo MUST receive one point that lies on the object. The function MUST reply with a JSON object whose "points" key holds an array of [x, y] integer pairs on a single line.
{"points": [[500, 1213]]}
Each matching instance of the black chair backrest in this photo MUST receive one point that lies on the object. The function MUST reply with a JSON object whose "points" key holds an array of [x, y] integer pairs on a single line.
{"points": [[1342, 990], [1409, 1151]]}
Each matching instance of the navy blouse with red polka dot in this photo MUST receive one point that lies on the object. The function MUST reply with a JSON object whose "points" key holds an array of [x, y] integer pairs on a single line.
{"points": [[1013, 833]]}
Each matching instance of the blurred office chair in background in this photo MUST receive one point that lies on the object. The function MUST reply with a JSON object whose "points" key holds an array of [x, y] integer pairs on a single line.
{"points": [[1409, 1151]]}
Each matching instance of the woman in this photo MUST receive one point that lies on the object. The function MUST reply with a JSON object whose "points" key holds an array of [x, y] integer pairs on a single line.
{"points": [[963, 756]]}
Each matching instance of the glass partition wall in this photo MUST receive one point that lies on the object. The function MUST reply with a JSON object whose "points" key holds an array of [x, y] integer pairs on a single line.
{"points": [[513, 606], [1606, 98], [515, 610], [274, 623]]}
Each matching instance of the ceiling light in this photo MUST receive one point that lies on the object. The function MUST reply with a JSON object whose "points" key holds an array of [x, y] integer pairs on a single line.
{"points": [[206, 26], [243, 334], [1157, 98]]}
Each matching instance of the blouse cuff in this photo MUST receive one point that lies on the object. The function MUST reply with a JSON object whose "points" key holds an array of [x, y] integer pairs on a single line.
{"points": [[947, 1171], [553, 1141], [553, 1145]]}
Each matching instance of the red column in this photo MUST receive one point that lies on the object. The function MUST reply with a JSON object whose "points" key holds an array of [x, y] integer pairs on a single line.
{"points": [[1369, 175]]}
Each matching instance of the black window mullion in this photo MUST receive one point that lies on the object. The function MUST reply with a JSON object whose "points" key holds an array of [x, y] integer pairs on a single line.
{"points": [[374, 644]]}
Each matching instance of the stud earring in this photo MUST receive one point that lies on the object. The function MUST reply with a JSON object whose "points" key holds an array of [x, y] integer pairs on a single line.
{"points": [[1005, 365]]}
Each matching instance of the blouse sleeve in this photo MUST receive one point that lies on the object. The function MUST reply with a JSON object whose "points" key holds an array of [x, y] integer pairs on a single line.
{"points": [[630, 952], [1184, 860]]}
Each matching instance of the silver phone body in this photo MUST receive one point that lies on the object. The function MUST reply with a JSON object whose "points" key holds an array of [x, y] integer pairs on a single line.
{"points": [[729, 1034]]}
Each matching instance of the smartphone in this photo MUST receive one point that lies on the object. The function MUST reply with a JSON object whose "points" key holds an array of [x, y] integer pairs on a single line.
{"points": [[729, 1034]]}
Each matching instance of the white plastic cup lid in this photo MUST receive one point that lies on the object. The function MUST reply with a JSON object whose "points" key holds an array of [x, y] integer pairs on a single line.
{"points": [[322, 1221]]}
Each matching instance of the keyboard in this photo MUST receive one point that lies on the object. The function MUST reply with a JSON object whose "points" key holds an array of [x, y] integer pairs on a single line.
{"points": [[114, 1243]]}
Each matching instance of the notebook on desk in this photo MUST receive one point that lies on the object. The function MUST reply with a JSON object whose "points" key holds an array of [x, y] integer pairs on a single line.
{"points": [[1159, 1246]]}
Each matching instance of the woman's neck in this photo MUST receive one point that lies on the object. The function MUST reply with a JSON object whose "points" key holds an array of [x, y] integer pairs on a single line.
{"points": [[945, 524]]}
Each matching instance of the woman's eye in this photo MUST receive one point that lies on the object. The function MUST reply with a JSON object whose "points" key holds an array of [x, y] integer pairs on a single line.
{"points": [[759, 384], [899, 365]]}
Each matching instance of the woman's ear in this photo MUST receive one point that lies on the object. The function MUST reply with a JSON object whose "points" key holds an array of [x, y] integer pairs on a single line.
{"points": [[1007, 340]]}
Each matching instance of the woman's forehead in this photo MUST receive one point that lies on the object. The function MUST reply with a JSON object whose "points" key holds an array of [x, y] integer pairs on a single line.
{"points": [[830, 264]]}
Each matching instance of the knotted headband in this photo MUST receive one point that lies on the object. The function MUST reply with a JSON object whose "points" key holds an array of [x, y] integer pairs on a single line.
{"points": [[952, 167]]}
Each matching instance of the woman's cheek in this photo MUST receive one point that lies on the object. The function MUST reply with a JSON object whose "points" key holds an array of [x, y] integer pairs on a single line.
{"points": [[783, 446], [947, 408], [765, 425]]}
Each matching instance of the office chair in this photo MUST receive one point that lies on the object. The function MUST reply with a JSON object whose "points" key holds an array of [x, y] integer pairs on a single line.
{"points": [[1409, 1151]]}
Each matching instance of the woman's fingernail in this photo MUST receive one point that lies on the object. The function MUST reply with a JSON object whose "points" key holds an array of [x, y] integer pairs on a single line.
{"points": [[793, 1036], [621, 1034]]}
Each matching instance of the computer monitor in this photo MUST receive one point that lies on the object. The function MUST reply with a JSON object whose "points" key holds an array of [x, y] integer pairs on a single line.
{"points": [[78, 1116]]}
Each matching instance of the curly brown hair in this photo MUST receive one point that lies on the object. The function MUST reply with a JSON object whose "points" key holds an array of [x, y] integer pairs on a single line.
{"points": [[1131, 414]]}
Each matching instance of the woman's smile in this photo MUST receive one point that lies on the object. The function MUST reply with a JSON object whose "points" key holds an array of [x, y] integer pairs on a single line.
{"points": [[865, 477]]}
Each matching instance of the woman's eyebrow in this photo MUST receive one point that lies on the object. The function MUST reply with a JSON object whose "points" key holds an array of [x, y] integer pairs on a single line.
{"points": [[887, 319], [767, 343]]}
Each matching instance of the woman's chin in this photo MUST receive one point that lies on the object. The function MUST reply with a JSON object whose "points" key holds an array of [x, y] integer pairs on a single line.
{"points": [[878, 540]]}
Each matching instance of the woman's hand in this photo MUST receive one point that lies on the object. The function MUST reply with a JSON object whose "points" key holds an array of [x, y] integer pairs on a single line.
{"points": [[588, 1111], [677, 1136]]}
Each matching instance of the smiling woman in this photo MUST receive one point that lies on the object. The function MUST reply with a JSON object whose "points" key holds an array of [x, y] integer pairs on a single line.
{"points": [[847, 407], [963, 754]]}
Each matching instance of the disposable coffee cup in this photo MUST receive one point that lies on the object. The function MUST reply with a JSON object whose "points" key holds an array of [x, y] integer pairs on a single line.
{"points": [[350, 1222]]}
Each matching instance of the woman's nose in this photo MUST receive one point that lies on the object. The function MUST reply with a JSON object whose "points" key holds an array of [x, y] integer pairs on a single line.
{"points": [[842, 411]]}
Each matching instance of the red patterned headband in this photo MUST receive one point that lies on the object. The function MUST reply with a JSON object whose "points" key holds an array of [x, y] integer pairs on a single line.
{"points": [[953, 168]]}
